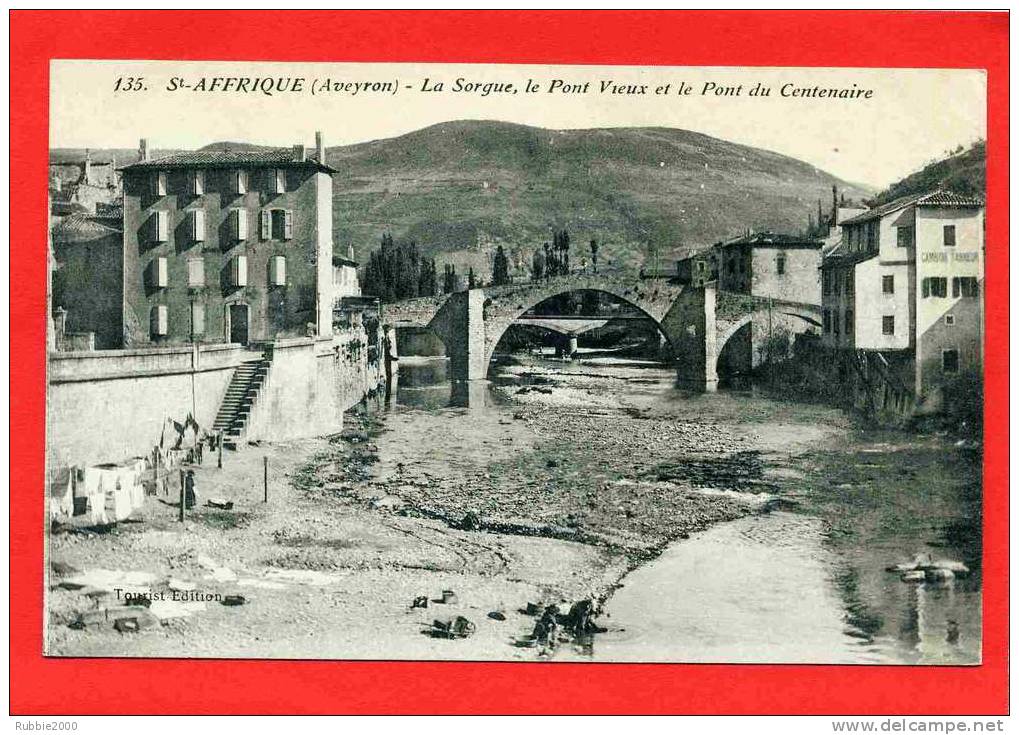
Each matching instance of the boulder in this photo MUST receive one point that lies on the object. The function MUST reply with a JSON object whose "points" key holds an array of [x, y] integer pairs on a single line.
{"points": [[388, 502], [939, 575]]}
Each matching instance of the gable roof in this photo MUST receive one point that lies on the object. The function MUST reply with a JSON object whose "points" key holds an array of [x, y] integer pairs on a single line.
{"points": [[937, 198], [229, 159]]}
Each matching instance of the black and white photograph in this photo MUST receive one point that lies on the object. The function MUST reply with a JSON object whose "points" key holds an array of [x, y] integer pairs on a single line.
{"points": [[486, 362]]}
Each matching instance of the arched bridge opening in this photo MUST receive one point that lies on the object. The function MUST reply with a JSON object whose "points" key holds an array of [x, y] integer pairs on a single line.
{"points": [[764, 335], [592, 322]]}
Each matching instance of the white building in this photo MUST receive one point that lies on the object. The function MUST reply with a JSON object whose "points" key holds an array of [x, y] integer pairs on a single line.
{"points": [[907, 281]]}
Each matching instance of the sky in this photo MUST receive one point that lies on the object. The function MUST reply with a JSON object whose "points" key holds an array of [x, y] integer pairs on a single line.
{"points": [[912, 116]]}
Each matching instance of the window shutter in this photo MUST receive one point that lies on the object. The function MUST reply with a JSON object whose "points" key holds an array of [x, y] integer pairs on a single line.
{"points": [[160, 273], [241, 182], [240, 224], [197, 318], [288, 224], [265, 219], [198, 225], [239, 271], [159, 321], [198, 182], [159, 183], [161, 225], [278, 271], [196, 272]]}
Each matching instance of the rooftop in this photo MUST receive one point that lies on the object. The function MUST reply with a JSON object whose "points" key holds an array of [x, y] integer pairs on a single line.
{"points": [[229, 159], [774, 240], [938, 198], [838, 260], [80, 228]]}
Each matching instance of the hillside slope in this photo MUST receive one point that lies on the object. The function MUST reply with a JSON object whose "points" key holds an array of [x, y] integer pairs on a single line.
{"points": [[964, 173], [464, 187], [472, 185]]}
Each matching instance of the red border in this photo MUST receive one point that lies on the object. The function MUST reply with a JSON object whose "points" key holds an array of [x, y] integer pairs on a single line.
{"points": [[766, 38]]}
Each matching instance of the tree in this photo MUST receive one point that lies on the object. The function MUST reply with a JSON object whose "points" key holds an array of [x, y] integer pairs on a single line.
{"points": [[427, 282], [448, 278], [594, 255], [558, 262], [471, 283], [393, 271], [538, 264], [500, 268]]}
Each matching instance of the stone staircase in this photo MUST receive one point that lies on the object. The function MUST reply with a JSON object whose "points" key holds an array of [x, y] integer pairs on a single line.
{"points": [[241, 394]]}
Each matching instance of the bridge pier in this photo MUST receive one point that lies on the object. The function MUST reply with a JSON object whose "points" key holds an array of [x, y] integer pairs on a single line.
{"points": [[460, 324], [690, 324]]}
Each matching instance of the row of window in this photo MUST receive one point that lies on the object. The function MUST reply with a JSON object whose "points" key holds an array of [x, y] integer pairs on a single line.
{"points": [[868, 237], [887, 323], [962, 286], [159, 271], [831, 322], [937, 287], [275, 181], [836, 282], [274, 224], [159, 321]]}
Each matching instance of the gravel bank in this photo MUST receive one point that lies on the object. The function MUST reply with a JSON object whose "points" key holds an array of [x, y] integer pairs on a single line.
{"points": [[551, 496]]}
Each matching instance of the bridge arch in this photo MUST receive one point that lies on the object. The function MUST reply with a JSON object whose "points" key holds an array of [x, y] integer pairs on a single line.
{"points": [[754, 326], [498, 320]]}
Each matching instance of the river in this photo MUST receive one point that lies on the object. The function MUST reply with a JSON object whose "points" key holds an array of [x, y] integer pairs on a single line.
{"points": [[804, 582]]}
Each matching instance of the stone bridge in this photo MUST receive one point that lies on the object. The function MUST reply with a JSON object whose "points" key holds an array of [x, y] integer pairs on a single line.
{"points": [[697, 322]]}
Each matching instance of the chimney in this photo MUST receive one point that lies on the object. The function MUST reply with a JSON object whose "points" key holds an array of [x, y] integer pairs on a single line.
{"points": [[350, 251], [88, 166], [143, 149], [320, 147], [299, 152]]}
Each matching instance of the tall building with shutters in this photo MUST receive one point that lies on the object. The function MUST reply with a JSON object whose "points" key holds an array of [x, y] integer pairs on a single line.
{"points": [[907, 282], [228, 246]]}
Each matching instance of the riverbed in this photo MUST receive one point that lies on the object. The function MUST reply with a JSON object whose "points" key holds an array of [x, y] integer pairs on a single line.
{"points": [[800, 575], [728, 527]]}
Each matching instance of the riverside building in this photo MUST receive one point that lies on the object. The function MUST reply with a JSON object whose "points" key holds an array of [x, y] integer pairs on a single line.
{"points": [[227, 246], [907, 282]]}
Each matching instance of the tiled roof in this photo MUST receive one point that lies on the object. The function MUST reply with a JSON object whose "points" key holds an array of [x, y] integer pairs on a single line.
{"points": [[229, 159], [771, 239], [80, 228], [937, 198], [948, 199]]}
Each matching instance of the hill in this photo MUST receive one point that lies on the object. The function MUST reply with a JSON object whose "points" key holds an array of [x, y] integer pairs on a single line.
{"points": [[461, 188], [470, 185], [964, 172]]}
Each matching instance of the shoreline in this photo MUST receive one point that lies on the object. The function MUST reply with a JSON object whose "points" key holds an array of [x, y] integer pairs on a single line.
{"points": [[524, 504]]}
